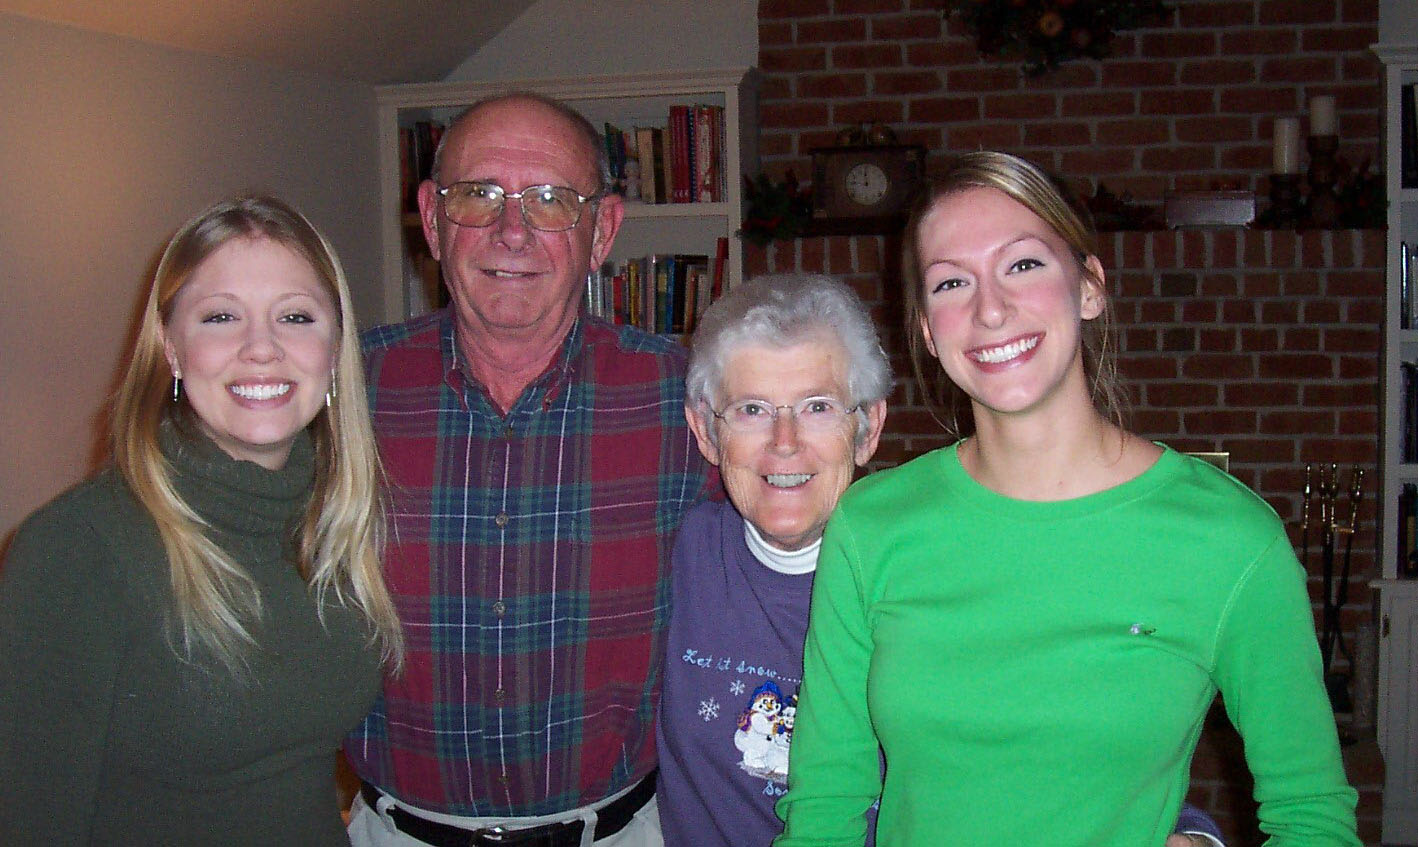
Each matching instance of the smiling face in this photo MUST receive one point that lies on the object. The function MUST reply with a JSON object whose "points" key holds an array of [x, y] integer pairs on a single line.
{"points": [[786, 481], [507, 279], [253, 333], [1004, 300]]}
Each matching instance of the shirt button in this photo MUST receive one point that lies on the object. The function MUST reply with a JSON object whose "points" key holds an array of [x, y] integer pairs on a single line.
{"points": [[509, 432], [502, 779], [501, 519], [499, 608], [499, 695]]}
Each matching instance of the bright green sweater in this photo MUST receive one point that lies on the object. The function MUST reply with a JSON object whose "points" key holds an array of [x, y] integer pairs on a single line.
{"points": [[1038, 673], [107, 737]]}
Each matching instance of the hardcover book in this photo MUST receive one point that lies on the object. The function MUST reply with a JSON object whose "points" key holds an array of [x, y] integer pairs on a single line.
{"points": [[1408, 142]]}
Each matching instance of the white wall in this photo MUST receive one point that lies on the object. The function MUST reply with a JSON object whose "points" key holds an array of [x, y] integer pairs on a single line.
{"points": [[1398, 21], [556, 38], [106, 146]]}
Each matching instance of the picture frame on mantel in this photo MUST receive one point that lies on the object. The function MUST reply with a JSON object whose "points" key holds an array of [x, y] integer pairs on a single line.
{"points": [[1209, 208]]}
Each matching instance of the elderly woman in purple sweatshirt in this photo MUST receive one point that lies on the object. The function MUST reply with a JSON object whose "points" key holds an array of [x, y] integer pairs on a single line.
{"points": [[786, 395]]}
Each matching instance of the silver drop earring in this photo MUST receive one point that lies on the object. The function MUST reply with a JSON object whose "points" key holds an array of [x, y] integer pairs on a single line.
{"points": [[176, 386], [332, 393]]}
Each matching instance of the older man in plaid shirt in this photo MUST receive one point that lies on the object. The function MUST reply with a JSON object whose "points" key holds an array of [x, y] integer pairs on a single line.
{"points": [[538, 464]]}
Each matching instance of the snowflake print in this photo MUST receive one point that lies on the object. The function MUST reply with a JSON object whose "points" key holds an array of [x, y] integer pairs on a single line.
{"points": [[708, 709], [737, 688]]}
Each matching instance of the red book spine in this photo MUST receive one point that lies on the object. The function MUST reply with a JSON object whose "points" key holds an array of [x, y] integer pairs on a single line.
{"points": [[619, 307], [721, 260], [706, 164], [679, 146]]}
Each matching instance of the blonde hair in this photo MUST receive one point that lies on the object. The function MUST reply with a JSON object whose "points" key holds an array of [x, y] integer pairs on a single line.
{"points": [[1028, 185], [339, 541]]}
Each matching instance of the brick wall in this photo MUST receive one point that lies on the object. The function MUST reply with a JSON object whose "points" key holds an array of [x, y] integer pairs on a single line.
{"points": [[1263, 344], [1186, 105]]}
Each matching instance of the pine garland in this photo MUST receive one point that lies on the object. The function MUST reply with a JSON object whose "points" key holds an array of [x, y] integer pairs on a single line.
{"points": [[1045, 33]]}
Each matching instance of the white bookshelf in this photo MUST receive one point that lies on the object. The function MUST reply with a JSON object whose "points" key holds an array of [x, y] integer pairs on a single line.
{"points": [[625, 100], [1398, 598]]}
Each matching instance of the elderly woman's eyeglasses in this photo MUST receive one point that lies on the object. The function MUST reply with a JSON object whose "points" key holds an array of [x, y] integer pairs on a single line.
{"points": [[549, 208], [813, 414]]}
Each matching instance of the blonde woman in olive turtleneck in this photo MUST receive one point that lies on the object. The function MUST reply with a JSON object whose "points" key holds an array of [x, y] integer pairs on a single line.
{"points": [[185, 639]]}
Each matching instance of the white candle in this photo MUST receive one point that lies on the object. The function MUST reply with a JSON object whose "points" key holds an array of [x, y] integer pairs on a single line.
{"points": [[1287, 146], [1322, 115]]}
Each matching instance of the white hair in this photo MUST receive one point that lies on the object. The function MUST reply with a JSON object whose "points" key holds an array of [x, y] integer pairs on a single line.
{"points": [[780, 310]]}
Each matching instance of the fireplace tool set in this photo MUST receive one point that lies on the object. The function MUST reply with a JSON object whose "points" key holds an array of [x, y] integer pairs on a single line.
{"points": [[1320, 511]]}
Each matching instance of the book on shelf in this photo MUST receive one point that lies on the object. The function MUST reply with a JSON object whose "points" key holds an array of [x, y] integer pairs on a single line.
{"points": [[632, 295], [721, 143], [650, 145], [685, 157], [1408, 412], [1408, 140], [689, 307], [684, 308], [719, 269], [680, 162], [664, 293], [1405, 285], [706, 165], [616, 156], [666, 163], [649, 278], [1408, 532], [696, 292], [630, 166]]}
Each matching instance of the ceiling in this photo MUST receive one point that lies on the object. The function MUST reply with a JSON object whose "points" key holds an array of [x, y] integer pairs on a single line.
{"points": [[375, 41]]}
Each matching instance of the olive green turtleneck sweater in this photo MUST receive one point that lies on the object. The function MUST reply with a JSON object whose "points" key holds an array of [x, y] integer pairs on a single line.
{"points": [[107, 736]]}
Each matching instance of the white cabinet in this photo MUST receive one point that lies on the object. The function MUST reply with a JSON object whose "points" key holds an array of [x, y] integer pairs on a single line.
{"points": [[1398, 598], [1398, 715], [625, 100]]}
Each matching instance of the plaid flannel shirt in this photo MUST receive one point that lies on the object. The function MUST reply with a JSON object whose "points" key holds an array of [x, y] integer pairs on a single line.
{"points": [[528, 558]]}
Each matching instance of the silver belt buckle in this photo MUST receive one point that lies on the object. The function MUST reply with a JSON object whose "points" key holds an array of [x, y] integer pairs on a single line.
{"points": [[502, 835]]}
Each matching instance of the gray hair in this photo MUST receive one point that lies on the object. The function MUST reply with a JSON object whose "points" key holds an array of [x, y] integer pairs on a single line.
{"points": [[582, 124], [780, 310]]}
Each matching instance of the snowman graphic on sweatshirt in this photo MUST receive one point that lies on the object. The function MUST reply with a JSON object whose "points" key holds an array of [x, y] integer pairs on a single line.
{"points": [[764, 732]]}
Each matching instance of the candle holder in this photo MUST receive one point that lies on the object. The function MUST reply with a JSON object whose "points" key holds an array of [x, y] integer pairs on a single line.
{"points": [[1323, 212], [1284, 201]]}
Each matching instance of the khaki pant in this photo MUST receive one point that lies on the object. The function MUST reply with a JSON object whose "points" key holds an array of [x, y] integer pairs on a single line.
{"points": [[374, 828]]}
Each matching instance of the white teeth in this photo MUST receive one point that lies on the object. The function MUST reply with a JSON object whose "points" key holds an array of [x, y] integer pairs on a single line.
{"points": [[996, 355], [787, 480], [507, 274], [260, 392]]}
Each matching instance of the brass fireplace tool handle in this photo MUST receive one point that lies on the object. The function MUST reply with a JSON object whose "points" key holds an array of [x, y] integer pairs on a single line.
{"points": [[1324, 517]]}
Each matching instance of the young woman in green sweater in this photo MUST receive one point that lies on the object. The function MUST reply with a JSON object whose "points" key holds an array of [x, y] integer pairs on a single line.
{"points": [[1033, 622], [185, 639]]}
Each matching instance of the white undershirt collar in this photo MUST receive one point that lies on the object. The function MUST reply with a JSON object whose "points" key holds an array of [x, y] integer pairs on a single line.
{"points": [[791, 562]]}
